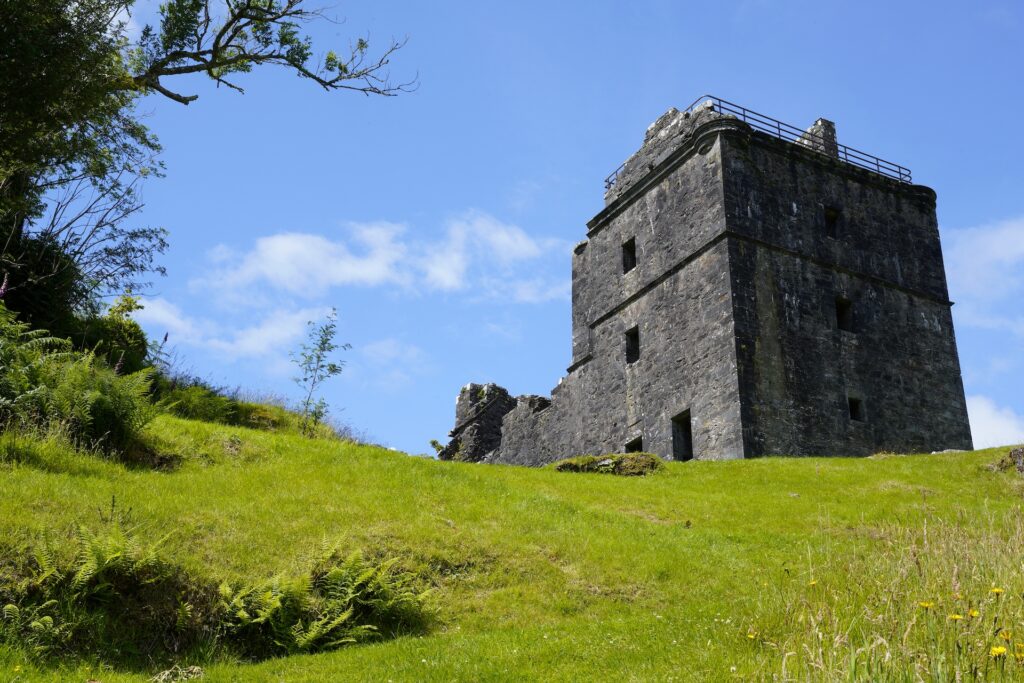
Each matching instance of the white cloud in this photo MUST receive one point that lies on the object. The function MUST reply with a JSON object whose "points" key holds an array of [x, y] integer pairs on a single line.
{"points": [[271, 337], [506, 243], [993, 425], [278, 332], [986, 275], [476, 238], [477, 252], [307, 265], [444, 265], [162, 317]]}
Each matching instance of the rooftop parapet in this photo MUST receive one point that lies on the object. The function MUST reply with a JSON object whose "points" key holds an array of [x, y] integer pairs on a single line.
{"points": [[675, 124]]}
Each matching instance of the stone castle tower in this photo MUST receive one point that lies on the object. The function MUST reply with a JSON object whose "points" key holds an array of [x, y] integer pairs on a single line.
{"points": [[749, 289]]}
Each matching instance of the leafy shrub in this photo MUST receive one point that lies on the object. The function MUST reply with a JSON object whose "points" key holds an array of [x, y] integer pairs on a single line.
{"points": [[44, 384], [47, 286], [115, 598], [350, 601], [112, 597], [623, 464], [115, 336], [22, 352], [100, 408]]}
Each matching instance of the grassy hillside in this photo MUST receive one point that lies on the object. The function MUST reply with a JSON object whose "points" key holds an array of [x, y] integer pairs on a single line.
{"points": [[797, 569]]}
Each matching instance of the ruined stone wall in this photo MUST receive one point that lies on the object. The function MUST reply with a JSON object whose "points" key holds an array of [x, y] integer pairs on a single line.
{"points": [[797, 369], [479, 409]]}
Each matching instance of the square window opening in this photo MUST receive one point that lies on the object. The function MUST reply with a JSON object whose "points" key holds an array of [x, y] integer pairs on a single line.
{"points": [[682, 437], [635, 446], [857, 412], [633, 345], [844, 314], [832, 217], [629, 255]]}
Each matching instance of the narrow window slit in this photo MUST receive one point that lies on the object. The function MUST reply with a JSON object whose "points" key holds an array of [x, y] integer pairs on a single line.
{"points": [[632, 345], [832, 216], [844, 314], [629, 255]]}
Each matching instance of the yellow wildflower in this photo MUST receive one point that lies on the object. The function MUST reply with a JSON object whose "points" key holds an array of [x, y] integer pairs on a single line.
{"points": [[973, 613], [17, 668], [956, 617], [926, 604], [812, 582], [997, 651], [996, 591], [1006, 635]]}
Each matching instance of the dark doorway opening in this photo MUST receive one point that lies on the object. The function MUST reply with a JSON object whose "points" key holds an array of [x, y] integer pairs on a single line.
{"points": [[682, 436], [636, 445], [857, 412]]}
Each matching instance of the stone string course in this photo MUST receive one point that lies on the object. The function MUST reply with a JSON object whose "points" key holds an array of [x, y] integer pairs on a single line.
{"points": [[744, 243]]}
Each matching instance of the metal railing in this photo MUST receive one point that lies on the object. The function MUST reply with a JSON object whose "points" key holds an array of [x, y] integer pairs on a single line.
{"points": [[789, 133]]}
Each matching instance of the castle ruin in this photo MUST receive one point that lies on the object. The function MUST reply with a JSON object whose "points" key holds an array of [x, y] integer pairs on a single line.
{"points": [[749, 289]]}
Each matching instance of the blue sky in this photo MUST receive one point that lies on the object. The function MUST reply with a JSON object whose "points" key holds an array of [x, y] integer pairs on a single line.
{"points": [[440, 222]]}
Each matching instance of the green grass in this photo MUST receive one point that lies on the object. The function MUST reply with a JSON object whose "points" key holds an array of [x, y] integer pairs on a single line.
{"points": [[797, 569]]}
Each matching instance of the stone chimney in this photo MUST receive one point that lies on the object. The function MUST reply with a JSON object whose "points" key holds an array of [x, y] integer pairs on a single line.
{"points": [[821, 137]]}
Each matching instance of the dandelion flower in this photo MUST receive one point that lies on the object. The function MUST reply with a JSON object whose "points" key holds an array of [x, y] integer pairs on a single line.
{"points": [[973, 613], [926, 604], [996, 591], [1006, 635], [997, 651], [812, 582], [956, 617]]}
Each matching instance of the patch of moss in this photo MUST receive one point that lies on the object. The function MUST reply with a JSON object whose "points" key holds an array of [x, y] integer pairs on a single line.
{"points": [[622, 464]]}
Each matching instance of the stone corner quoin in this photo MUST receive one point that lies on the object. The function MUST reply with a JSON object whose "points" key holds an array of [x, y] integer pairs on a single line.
{"points": [[744, 293]]}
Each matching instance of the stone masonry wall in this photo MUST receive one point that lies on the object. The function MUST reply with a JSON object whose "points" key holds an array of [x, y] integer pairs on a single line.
{"points": [[687, 362], [678, 295], [743, 243], [797, 369], [479, 410]]}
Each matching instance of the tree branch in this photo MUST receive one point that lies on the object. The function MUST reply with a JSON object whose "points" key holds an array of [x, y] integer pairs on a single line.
{"points": [[255, 33]]}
